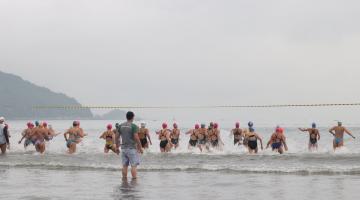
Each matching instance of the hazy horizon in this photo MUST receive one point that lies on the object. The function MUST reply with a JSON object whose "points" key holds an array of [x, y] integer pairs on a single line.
{"points": [[150, 53]]}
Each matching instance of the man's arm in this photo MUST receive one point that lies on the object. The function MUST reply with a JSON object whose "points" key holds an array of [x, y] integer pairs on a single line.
{"points": [[318, 134], [348, 132]]}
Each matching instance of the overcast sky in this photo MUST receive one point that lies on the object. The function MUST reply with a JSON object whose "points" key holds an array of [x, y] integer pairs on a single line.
{"points": [[188, 52]]}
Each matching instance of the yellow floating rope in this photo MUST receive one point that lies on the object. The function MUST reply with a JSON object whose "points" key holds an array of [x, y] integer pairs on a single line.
{"points": [[77, 107]]}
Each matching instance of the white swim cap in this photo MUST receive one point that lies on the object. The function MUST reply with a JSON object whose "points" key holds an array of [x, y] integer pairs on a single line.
{"points": [[2, 119]]}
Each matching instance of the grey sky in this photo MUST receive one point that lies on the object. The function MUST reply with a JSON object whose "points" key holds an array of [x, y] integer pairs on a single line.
{"points": [[185, 52]]}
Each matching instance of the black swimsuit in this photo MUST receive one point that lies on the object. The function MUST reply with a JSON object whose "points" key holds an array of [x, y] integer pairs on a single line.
{"points": [[193, 142], [252, 142], [215, 143], [313, 141], [175, 141], [163, 143], [143, 142]]}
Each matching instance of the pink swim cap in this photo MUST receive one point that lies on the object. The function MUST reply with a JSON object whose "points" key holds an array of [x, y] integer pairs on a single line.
{"points": [[109, 126], [175, 125], [237, 125], [216, 125], [197, 126], [45, 124], [164, 125], [29, 124]]}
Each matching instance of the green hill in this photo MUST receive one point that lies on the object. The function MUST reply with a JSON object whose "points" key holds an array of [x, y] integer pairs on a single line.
{"points": [[17, 98]]}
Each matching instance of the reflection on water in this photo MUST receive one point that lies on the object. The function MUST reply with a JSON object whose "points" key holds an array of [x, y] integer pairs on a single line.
{"points": [[127, 190]]}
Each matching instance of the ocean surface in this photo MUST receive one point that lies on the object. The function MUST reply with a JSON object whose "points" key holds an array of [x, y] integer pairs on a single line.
{"points": [[181, 174]]}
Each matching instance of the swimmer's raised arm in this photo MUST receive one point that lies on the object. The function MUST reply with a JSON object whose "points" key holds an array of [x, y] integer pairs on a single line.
{"points": [[303, 129]]}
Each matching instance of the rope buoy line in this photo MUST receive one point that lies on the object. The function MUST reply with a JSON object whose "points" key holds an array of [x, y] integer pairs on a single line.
{"points": [[78, 107]]}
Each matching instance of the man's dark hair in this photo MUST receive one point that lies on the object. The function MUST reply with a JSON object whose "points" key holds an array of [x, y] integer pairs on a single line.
{"points": [[130, 115]]}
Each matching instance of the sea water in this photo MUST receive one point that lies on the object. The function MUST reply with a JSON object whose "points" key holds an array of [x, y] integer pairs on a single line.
{"points": [[182, 174]]}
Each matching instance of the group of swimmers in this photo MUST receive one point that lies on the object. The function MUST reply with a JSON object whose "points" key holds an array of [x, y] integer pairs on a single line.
{"points": [[201, 136], [205, 138]]}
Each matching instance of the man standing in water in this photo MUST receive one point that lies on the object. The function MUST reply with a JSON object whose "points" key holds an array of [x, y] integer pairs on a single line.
{"points": [[4, 136], [314, 136], [338, 132], [131, 145]]}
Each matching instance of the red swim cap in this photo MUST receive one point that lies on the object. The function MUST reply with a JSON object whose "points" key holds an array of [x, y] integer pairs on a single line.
{"points": [[175, 125], [164, 125], [216, 125], [197, 126], [109, 126], [237, 125], [45, 124], [279, 130], [29, 124]]}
